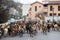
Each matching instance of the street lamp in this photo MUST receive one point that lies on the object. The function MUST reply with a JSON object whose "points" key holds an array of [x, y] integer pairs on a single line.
{"points": [[53, 14]]}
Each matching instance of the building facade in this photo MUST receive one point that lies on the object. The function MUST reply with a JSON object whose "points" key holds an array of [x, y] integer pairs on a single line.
{"points": [[50, 8], [35, 9]]}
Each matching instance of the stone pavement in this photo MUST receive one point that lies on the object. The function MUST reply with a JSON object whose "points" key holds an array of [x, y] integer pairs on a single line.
{"points": [[53, 35]]}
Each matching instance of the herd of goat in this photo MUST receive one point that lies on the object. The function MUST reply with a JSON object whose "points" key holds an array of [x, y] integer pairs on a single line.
{"points": [[30, 27]]}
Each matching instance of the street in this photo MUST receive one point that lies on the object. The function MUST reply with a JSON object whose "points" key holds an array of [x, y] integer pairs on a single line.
{"points": [[52, 35]]}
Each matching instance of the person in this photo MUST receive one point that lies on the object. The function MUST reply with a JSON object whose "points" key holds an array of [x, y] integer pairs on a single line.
{"points": [[28, 25], [52, 25], [21, 31], [34, 29], [48, 26], [31, 31], [9, 30]]}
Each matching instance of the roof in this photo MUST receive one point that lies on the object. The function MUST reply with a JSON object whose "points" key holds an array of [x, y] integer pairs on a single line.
{"points": [[36, 2], [53, 2]]}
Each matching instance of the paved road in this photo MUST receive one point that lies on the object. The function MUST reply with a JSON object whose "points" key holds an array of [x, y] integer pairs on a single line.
{"points": [[53, 35]]}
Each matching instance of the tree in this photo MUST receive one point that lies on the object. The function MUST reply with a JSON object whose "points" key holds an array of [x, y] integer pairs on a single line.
{"points": [[4, 10], [4, 16], [5, 5]]}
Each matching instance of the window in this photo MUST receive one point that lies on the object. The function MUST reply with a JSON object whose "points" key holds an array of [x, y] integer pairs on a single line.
{"points": [[58, 8], [58, 14], [50, 14], [39, 6], [45, 5], [54, 14], [30, 9], [51, 8], [35, 8]]}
